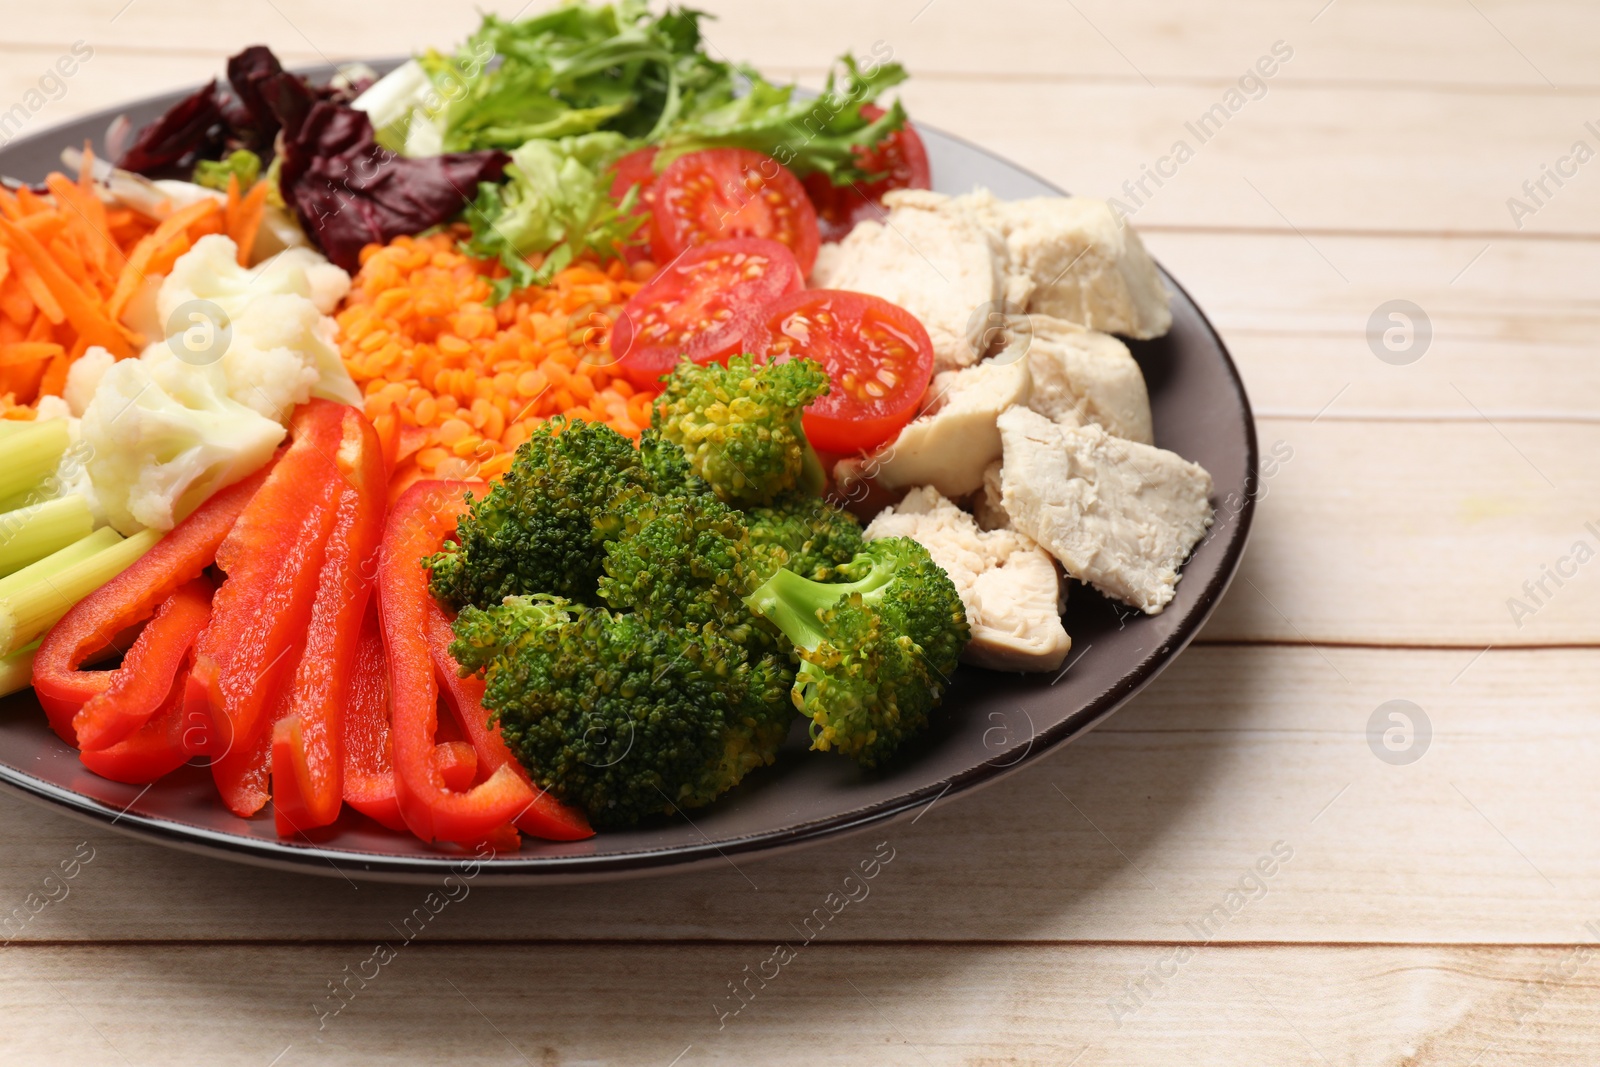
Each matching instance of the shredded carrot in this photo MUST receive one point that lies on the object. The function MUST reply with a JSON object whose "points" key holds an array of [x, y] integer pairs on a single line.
{"points": [[246, 220], [148, 255], [70, 264], [84, 311], [28, 352], [455, 385]]}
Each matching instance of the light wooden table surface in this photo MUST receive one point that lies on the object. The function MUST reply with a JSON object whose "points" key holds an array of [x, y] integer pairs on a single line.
{"points": [[1437, 911]]}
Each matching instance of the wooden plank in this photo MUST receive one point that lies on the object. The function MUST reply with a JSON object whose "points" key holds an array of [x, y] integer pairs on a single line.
{"points": [[1398, 154], [1422, 533], [1471, 288], [1134, 833], [911, 1005], [1520, 47]]}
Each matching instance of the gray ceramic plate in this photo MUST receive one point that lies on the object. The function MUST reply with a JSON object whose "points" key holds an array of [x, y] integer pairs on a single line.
{"points": [[990, 725]]}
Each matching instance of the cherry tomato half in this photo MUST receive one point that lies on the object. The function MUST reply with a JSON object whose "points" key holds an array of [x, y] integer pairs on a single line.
{"points": [[902, 160], [636, 168], [701, 306], [732, 192], [877, 355]]}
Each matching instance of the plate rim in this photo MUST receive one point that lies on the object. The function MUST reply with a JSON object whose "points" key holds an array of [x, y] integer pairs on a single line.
{"points": [[517, 869]]}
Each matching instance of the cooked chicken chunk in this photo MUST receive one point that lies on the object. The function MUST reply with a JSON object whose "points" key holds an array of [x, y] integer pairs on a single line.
{"points": [[945, 267], [1073, 258], [987, 506], [1012, 591], [1119, 515], [1082, 377], [948, 446]]}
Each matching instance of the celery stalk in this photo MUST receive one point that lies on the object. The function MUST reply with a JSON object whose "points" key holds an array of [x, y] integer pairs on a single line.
{"points": [[28, 535], [31, 454], [16, 670], [34, 599], [77, 552], [44, 489]]}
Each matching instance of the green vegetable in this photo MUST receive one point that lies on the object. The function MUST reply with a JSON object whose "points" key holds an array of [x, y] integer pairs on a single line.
{"points": [[816, 536], [16, 670], [543, 527], [214, 173], [625, 718], [687, 561], [876, 653], [34, 598], [557, 201], [804, 134], [543, 87], [31, 454], [740, 426], [29, 534], [577, 69]]}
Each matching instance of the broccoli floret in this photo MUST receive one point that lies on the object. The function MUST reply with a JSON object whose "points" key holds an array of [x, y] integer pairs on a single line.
{"points": [[817, 536], [620, 716], [687, 561], [876, 652], [542, 528], [740, 426], [669, 467]]}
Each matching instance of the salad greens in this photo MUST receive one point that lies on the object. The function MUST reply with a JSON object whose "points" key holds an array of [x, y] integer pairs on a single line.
{"points": [[556, 201], [544, 87]]}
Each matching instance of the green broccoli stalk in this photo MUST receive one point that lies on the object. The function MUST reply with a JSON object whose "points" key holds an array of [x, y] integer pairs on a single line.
{"points": [[876, 652], [622, 717], [739, 425]]}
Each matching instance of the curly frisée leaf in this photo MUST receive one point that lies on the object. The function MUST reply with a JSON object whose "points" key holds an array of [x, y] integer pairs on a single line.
{"points": [[807, 135]]}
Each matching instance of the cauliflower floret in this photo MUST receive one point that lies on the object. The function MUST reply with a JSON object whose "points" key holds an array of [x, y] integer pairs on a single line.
{"points": [[1010, 587], [164, 435], [303, 272], [83, 378], [283, 346]]}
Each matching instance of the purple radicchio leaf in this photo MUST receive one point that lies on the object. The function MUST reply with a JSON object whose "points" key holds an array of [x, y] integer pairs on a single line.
{"points": [[348, 191]]}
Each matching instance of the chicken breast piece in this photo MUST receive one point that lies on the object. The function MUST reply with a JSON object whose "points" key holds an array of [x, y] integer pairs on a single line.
{"points": [[944, 266], [988, 506], [1010, 586], [1082, 377], [949, 445], [1119, 515], [1072, 257]]}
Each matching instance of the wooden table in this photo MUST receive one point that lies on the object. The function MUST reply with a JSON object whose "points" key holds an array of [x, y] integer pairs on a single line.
{"points": [[1106, 907]]}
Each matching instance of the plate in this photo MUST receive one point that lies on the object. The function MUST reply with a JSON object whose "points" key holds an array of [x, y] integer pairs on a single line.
{"points": [[991, 724]]}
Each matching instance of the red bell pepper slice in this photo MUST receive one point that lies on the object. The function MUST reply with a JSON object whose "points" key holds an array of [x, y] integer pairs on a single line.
{"points": [[421, 519], [273, 558], [368, 747], [307, 756], [131, 597], [546, 817], [458, 764], [153, 751], [142, 684]]}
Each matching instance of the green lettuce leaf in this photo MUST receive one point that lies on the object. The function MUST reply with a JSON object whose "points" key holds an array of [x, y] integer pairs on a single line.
{"points": [[556, 200]]}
